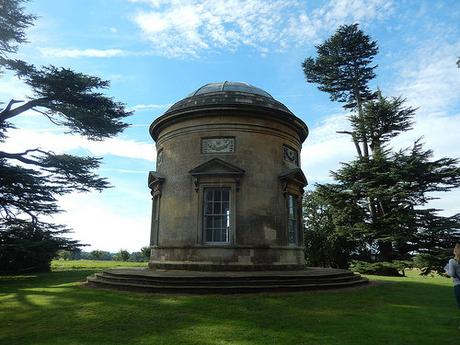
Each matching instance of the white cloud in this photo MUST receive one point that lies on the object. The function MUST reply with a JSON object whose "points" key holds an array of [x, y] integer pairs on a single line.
{"points": [[430, 78], [324, 149], [340, 11], [11, 87], [103, 225], [77, 53], [22, 139], [179, 28], [141, 107]]}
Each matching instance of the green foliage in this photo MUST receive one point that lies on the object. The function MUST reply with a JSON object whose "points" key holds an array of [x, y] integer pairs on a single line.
{"points": [[324, 246], [383, 268], [63, 254], [382, 119], [31, 181], [137, 257], [69, 99], [122, 255], [96, 254], [13, 22], [435, 258], [99, 255], [146, 252], [378, 201], [344, 67], [25, 248]]}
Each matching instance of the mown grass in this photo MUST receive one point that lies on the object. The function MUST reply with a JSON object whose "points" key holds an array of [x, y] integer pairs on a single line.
{"points": [[54, 308], [57, 265]]}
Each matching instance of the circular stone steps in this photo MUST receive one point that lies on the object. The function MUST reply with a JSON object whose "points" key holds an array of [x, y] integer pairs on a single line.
{"points": [[170, 281]]}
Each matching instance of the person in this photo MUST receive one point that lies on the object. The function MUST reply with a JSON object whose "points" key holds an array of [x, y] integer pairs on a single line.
{"points": [[453, 270]]}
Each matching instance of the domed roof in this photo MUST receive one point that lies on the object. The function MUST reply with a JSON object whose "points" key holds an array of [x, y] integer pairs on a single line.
{"points": [[228, 94], [230, 86], [226, 97]]}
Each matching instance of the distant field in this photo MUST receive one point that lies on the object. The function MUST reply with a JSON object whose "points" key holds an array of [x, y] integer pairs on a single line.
{"points": [[92, 264], [55, 308]]}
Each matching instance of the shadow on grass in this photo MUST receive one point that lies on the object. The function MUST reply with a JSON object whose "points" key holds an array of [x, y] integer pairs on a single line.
{"points": [[53, 309]]}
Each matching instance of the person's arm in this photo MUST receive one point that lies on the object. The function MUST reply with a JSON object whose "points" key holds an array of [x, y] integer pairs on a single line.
{"points": [[451, 268]]}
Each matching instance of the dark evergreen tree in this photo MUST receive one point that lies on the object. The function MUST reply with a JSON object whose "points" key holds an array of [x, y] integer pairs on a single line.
{"points": [[13, 22], [379, 197], [343, 69], [324, 246], [31, 181]]}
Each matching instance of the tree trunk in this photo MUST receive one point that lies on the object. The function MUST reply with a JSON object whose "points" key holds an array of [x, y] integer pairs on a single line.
{"points": [[360, 115]]}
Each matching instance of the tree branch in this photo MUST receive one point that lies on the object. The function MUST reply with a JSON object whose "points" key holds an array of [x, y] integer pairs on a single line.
{"points": [[9, 105], [48, 116], [20, 157], [7, 113], [358, 149]]}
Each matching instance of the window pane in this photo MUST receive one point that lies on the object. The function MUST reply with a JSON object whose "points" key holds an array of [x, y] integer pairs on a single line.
{"points": [[217, 208], [217, 232], [216, 214], [224, 235], [208, 195], [208, 208], [292, 232], [292, 219], [208, 222], [217, 194], [208, 237]]}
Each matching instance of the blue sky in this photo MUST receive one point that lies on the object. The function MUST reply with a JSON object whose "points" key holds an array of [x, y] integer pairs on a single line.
{"points": [[156, 52]]}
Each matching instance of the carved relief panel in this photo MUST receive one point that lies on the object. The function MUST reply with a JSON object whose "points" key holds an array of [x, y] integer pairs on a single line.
{"points": [[218, 145], [291, 155]]}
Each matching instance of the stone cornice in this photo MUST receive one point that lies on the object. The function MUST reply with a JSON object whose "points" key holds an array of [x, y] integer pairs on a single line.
{"points": [[265, 110]]}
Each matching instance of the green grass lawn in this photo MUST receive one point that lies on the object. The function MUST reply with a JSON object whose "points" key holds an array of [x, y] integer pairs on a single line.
{"points": [[55, 308], [58, 265]]}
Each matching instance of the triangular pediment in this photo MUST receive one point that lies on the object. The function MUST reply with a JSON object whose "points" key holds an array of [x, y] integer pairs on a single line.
{"points": [[216, 167], [294, 175]]}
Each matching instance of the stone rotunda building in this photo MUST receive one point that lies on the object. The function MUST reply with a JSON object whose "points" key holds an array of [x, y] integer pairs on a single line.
{"points": [[228, 186], [226, 199]]}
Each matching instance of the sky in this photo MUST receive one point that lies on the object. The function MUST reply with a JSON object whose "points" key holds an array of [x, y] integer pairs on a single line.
{"points": [[155, 52]]}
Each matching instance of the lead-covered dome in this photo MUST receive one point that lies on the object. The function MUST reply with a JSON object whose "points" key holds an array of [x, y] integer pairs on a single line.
{"points": [[230, 94], [225, 97], [231, 86]]}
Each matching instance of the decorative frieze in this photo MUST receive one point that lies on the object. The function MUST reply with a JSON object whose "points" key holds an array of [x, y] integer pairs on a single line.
{"points": [[218, 145]]}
